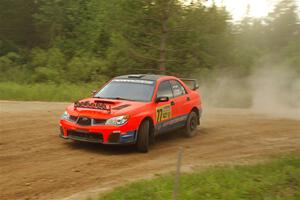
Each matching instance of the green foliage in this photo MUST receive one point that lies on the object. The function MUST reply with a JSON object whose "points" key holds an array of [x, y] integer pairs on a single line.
{"points": [[47, 58], [47, 65], [17, 26], [119, 37], [46, 91], [44, 74], [9, 61], [86, 69], [278, 179], [81, 41], [12, 68]]}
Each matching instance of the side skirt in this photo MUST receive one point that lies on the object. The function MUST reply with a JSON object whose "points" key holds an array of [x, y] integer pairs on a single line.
{"points": [[171, 124]]}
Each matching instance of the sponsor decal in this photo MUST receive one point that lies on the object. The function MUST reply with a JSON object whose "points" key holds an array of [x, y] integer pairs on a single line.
{"points": [[91, 105], [163, 113]]}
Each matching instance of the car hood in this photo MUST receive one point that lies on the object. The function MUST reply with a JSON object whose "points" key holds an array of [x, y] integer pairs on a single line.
{"points": [[116, 108]]}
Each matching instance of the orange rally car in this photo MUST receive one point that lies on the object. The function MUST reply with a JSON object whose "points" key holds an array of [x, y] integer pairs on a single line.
{"points": [[133, 109]]}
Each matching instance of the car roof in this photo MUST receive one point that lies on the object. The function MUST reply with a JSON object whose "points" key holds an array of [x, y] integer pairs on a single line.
{"points": [[153, 77]]}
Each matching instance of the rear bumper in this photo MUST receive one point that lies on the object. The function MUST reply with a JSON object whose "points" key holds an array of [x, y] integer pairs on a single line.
{"points": [[99, 134]]}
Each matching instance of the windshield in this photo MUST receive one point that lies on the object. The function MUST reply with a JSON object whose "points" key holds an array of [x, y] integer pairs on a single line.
{"points": [[127, 89]]}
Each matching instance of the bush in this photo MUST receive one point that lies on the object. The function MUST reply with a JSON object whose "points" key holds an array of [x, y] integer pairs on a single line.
{"points": [[13, 69], [52, 58], [85, 69], [44, 74]]}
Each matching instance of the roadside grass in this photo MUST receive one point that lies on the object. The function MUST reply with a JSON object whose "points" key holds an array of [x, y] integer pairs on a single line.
{"points": [[45, 91], [278, 179]]}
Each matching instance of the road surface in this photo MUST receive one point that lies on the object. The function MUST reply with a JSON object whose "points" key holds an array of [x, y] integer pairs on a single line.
{"points": [[36, 164]]}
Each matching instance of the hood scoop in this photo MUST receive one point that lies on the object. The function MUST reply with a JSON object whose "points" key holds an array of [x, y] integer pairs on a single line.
{"points": [[121, 107]]}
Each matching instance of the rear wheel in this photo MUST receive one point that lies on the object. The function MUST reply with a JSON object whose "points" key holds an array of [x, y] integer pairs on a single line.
{"points": [[143, 137], [190, 128]]}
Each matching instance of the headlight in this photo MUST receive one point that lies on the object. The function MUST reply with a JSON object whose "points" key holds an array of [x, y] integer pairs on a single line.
{"points": [[117, 121], [65, 115]]}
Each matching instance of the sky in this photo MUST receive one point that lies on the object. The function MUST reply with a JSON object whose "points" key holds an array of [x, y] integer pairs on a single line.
{"points": [[238, 8]]}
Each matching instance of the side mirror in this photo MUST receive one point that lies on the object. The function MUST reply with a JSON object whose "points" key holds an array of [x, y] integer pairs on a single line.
{"points": [[162, 99], [94, 92], [196, 87]]}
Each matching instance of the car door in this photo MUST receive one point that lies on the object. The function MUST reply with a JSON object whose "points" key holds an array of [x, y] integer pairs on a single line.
{"points": [[180, 102], [164, 110]]}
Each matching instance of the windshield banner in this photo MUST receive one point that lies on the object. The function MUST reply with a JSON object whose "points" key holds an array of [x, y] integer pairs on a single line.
{"points": [[147, 82]]}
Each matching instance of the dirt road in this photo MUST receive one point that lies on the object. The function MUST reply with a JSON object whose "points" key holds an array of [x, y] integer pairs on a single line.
{"points": [[36, 164]]}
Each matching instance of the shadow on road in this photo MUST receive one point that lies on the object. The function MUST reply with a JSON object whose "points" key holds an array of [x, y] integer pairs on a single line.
{"points": [[160, 140]]}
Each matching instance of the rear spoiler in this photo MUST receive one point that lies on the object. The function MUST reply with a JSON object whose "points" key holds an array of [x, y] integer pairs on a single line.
{"points": [[191, 83]]}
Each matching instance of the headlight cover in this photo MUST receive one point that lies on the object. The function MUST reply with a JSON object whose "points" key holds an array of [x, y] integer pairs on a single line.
{"points": [[117, 121], [65, 115]]}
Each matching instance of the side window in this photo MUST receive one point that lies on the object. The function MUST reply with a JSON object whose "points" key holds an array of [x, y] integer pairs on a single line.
{"points": [[164, 90], [177, 88]]}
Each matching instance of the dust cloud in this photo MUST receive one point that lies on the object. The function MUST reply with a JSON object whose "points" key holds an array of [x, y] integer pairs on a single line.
{"points": [[276, 91], [271, 90]]}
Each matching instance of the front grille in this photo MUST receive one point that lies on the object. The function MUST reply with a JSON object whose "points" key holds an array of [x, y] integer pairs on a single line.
{"points": [[93, 137], [114, 138], [84, 121]]}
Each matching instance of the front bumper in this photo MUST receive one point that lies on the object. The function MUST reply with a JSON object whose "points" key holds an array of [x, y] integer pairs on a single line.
{"points": [[98, 134]]}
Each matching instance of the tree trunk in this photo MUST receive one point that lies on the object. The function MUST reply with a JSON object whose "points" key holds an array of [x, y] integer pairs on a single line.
{"points": [[163, 41]]}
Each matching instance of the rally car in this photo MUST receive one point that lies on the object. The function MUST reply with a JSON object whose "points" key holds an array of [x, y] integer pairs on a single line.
{"points": [[133, 109]]}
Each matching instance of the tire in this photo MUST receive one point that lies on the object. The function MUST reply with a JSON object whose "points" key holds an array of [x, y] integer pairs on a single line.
{"points": [[143, 137], [190, 129]]}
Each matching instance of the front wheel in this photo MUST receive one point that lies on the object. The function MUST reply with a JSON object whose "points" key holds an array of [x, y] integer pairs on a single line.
{"points": [[143, 137], [190, 128]]}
